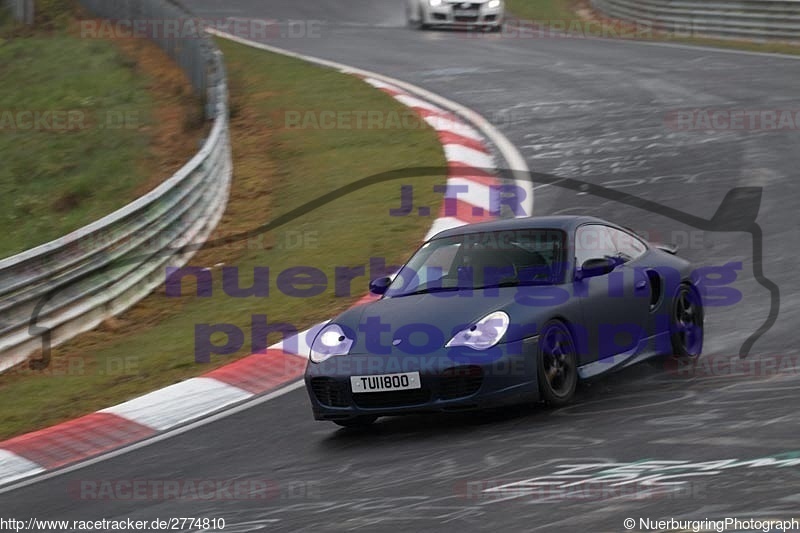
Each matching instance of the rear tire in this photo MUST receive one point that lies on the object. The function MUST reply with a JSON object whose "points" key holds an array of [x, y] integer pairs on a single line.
{"points": [[686, 323], [357, 421], [557, 364]]}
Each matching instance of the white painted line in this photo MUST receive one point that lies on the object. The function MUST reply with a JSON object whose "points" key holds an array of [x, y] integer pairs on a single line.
{"points": [[441, 224], [300, 344], [477, 194], [14, 467], [166, 408], [381, 85], [413, 101], [463, 154]]}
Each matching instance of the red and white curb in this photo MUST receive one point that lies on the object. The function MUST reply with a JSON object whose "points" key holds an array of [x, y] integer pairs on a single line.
{"points": [[470, 165], [470, 181]]}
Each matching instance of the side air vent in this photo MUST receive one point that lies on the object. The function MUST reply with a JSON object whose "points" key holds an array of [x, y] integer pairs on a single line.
{"points": [[656, 288]]}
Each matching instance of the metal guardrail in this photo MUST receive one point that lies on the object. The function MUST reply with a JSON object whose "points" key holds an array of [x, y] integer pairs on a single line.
{"points": [[751, 19], [21, 10], [55, 291]]}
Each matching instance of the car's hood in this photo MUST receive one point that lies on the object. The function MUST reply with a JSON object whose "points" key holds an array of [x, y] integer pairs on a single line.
{"points": [[445, 313]]}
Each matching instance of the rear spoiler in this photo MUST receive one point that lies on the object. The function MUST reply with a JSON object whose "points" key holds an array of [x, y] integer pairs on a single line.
{"points": [[669, 248]]}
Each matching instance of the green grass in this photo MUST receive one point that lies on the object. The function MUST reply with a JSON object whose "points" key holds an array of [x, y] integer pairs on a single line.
{"points": [[276, 170], [565, 11], [543, 10], [55, 179]]}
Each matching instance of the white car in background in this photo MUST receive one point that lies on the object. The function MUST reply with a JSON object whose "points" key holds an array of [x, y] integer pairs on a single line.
{"points": [[487, 14]]}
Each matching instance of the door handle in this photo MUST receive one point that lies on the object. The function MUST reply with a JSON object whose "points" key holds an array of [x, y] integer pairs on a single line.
{"points": [[640, 285]]}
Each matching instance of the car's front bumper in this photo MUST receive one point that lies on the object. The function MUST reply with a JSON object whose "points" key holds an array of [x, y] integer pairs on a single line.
{"points": [[446, 384], [451, 14]]}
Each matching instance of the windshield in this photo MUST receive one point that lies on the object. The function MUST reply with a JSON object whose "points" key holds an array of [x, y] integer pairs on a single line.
{"points": [[483, 260]]}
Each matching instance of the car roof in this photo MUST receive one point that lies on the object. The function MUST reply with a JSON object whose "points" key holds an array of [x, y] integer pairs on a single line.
{"points": [[557, 222]]}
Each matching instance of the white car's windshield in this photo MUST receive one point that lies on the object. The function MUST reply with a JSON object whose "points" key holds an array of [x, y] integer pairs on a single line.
{"points": [[483, 260]]}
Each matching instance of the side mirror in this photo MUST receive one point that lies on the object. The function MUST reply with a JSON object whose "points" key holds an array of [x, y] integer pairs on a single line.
{"points": [[379, 285], [598, 266]]}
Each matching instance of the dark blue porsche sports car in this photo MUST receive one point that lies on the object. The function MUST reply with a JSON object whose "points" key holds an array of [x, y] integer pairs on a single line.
{"points": [[503, 312]]}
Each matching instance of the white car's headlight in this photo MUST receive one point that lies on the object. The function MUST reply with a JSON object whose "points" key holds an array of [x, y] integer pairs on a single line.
{"points": [[331, 340], [483, 334], [434, 3], [493, 4]]}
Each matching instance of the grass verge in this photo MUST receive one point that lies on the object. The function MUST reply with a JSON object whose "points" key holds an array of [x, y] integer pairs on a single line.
{"points": [[86, 125], [276, 169], [575, 13]]}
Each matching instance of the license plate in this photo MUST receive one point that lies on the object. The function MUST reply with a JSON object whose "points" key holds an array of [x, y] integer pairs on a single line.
{"points": [[385, 382], [465, 13]]}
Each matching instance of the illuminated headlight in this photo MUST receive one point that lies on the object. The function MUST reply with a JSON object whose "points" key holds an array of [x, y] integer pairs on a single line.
{"points": [[483, 334], [435, 3], [330, 341], [493, 4]]}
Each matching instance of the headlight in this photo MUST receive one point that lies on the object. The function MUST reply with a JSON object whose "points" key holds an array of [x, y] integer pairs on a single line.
{"points": [[434, 3], [331, 340], [484, 334], [493, 4]]}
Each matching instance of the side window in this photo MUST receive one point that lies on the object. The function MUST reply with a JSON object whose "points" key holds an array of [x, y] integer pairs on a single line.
{"points": [[593, 241], [628, 246]]}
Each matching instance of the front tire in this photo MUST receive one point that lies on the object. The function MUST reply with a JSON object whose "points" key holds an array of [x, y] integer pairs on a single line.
{"points": [[419, 23], [557, 364], [686, 323]]}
